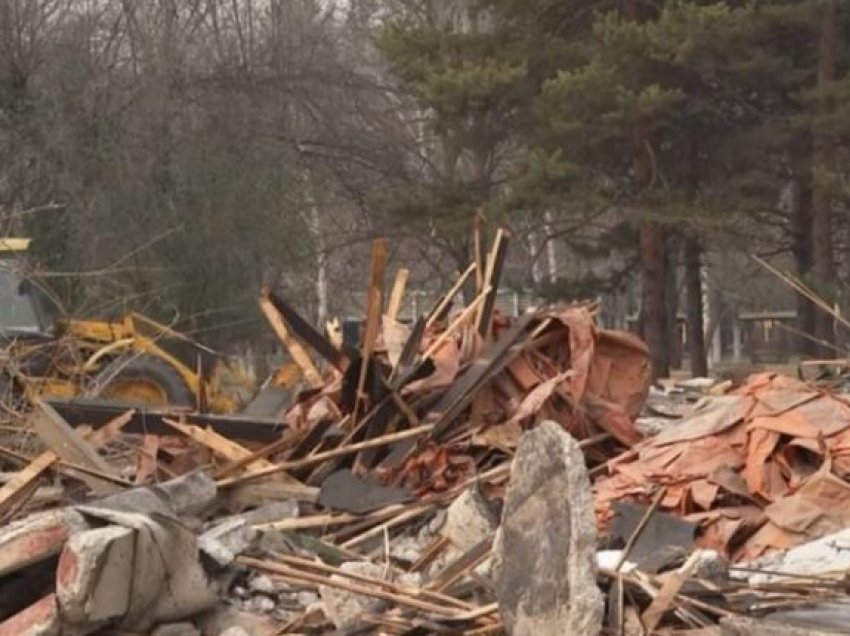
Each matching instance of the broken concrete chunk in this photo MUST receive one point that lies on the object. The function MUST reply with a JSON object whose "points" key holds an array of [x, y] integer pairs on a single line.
{"points": [[469, 520], [168, 582], [345, 608], [225, 540], [546, 547], [36, 538], [189, 494], [39, 619], [186, 495], [94, 575]]}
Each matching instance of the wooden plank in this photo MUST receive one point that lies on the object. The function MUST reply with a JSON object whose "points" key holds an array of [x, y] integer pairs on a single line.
{"points": [[410, 349], [20, 484], [373, 318], [478, 247], [300, 575], [67, 444], [457, 323], [495, 264], [296, 350], [221, 446], [337, 452], [300, 562], [284, 443], [440, 308], [397, 293], [304, 331], [667, 594]]}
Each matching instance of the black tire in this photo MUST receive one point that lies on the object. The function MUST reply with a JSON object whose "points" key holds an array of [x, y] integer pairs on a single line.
{"points": [[148, 370]]}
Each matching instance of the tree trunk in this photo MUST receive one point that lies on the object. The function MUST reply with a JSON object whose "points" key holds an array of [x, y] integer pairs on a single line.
{"points": [[695, 326], [695, 311], [653, 305], [823, 157], [801, 248], [671, 297], [650, 242]]}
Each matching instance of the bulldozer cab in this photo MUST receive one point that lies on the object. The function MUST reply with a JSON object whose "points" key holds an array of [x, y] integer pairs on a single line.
{"points": [[25, 309]]}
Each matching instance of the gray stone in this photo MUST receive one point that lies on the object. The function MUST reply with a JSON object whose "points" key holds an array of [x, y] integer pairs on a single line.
{"points": [[546, 547], [234, 631], [176, 629], [225, 540], [469, 520], [224, 617], [262, 583], [307, 598], [276, 511], [262, 604], [345, 608]]}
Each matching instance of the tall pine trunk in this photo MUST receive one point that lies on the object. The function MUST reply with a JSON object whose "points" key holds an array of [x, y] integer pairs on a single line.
{"points": [[653, 305], [801, 248], [823, 157], [695, 326], [650, 242], [694, 311], [672, 248]]}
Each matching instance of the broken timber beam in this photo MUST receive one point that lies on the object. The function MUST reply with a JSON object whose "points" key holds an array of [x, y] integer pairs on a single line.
{"points": [[308, 334], [296, 350], [495, 264]]}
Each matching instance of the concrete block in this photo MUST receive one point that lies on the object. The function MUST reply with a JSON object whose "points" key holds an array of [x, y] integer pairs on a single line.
{"points": [[39, 619], [36, 538], [95, 574]]}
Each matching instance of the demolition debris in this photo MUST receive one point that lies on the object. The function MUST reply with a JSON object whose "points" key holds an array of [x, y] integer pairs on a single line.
{"points": [[466, 473]]}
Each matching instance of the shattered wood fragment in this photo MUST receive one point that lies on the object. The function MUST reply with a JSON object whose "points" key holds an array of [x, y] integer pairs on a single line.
{"points": [[219, 444], [667, 594], [490, 283], [374, 301], [439, 310], [146, 466], [321, 457], [301, 357], [387, 585], [397, 294], [18, 487], [305, 331]]}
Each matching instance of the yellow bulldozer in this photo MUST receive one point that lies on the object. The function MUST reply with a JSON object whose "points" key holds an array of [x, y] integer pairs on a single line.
{"points": [[133, 360]]}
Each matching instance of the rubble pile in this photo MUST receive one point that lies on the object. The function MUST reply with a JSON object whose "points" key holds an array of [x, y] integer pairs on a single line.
{"points": [[466, 473], [761, 468]]}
